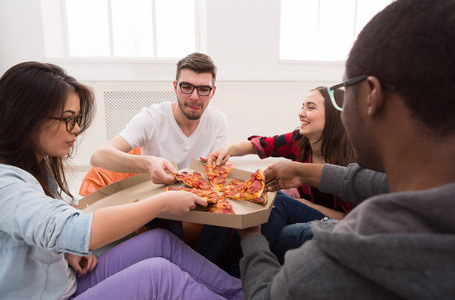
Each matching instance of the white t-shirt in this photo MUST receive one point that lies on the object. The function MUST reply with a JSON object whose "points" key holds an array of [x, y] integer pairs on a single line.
{"points": [[155, 130]]}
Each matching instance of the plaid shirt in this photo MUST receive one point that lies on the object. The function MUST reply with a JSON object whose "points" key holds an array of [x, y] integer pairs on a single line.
{"points": [[286, 146]]}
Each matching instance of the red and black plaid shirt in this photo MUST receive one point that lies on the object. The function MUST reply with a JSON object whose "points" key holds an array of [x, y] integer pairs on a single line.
{"points": [[286, 146]]}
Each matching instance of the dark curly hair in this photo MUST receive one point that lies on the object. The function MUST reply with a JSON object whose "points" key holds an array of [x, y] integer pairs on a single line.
{"points": [[411, 45]]}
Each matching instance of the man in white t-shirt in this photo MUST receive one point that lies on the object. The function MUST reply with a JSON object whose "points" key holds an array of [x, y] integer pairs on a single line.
{"points": [[176, 132], [172, 131]]}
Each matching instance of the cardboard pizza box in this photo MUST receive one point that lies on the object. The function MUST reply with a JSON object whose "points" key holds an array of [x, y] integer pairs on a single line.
{"points": [[140, 187]]}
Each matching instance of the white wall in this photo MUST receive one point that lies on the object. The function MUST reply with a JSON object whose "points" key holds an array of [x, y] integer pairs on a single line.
{"points": [[21, 33], [258, 93]]}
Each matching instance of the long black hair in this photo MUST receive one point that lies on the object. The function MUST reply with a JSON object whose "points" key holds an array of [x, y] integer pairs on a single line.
{"points": [[30, 92]]}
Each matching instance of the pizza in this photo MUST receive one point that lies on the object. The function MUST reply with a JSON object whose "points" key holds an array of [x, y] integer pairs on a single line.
{"points": [[208, 195], [221, 207], [216, 190], [250, 190], [217, 175], [194, 180], [234, 189], [254, 187], [261, 200]]}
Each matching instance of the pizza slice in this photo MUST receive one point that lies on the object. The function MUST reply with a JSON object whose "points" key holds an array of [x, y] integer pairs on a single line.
{"points": [[234, 189], [217, 175], [221, 207], [194, 180], [208, 195], [254, 187], [261, 200], [185, 177]]}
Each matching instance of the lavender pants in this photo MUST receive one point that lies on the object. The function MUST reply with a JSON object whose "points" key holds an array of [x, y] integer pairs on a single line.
{"points": [[156, 265]]}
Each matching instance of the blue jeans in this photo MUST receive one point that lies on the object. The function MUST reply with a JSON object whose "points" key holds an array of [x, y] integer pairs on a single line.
{"points": [[286, 211], [293, 236]]}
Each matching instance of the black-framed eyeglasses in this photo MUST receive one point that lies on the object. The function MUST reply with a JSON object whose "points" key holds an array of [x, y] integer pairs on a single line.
{"points": [[331, 90], [202, 90], [70, 121]]}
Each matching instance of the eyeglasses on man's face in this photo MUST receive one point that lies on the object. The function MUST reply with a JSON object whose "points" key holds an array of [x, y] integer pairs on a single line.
{"points": [[202, 90], [70, 121], [352, 81]]}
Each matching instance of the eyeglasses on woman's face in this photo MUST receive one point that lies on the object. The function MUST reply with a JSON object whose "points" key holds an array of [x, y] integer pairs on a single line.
{"points": [[70, 121]]}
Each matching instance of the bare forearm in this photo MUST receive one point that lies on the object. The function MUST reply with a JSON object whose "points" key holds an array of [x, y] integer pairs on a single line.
{"points": [[241, 148], [116, 160], [310, 174], [112, 223]]}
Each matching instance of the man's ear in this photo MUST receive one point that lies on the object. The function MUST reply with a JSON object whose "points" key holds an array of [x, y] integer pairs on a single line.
{"points": [[375, 100]]}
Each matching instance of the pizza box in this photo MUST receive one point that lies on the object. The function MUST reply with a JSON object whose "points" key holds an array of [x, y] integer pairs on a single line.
{"points": [[140, 187]]}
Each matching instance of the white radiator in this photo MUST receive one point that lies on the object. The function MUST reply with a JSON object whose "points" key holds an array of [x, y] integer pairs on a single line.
{"points": [[121, 106]]}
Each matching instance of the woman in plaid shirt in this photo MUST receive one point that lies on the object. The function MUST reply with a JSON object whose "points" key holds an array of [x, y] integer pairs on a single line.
{"points": [[320, 139]]}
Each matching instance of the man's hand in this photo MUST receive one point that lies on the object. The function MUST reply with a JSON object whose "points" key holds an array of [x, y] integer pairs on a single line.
{"points": [[161, 170], [290, 174], [82, 264]]}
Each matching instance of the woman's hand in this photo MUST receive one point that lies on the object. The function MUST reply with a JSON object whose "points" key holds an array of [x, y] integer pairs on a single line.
{"points": [[82, 264], [220, 156], [180, 202]]}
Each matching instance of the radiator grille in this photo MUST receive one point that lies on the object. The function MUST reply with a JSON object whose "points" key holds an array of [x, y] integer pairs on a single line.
{"points": [[121, 106]]}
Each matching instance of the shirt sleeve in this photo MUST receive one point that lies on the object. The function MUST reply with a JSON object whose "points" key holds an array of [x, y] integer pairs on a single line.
{"points": [[258, 267], [276, 146], [352, 183], [31, 216], [139, 128]]}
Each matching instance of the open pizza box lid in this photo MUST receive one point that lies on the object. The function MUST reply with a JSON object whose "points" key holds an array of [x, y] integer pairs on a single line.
{"points": [[140, 187]]}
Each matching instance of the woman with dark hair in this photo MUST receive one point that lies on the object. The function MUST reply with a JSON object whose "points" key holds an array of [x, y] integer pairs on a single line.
{"points": [[320, 139], [46, 244]]}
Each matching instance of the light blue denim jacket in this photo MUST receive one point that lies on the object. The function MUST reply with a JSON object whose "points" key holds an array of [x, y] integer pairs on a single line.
{"points": [[35, 232]]}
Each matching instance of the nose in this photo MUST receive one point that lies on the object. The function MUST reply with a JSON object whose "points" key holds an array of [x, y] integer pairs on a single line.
{"points": [[194, 94], [76, 128]]}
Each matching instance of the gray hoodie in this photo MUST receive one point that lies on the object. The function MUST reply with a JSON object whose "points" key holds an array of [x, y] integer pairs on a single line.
{"points": [[391, 246]]}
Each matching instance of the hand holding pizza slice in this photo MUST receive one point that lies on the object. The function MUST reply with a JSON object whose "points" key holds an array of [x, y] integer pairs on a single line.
{"points": [[208, 195]]}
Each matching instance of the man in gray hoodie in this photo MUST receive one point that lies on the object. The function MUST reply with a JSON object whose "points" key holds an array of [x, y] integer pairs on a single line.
{"points": [[399, 112]]}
